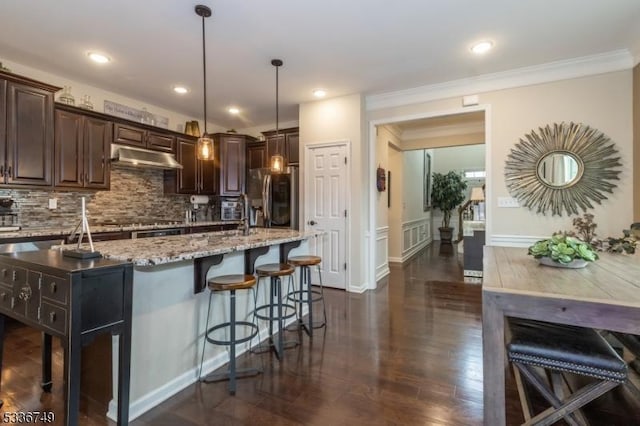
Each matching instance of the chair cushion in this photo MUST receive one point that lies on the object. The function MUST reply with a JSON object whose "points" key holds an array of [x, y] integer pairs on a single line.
{"points": [[566, 348]]}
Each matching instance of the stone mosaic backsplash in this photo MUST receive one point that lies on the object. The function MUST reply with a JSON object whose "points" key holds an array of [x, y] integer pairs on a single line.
{"points": [[136, 194]]}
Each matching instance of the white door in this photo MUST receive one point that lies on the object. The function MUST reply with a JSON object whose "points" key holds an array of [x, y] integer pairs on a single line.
{"points": [[326, 189]]}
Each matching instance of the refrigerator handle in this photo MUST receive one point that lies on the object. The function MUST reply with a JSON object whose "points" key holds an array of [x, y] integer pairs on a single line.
{"points": [[266, 200]]}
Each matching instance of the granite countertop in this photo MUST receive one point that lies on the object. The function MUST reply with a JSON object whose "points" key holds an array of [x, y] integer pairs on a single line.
{"points": [[162, 250], [39, 232]]}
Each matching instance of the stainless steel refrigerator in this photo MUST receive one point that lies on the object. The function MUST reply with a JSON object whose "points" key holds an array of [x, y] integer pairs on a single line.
{"points": [[274, 198]]}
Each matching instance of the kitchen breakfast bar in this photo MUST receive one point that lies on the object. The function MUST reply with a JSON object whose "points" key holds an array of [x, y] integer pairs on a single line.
{"points": [[169, 306]]}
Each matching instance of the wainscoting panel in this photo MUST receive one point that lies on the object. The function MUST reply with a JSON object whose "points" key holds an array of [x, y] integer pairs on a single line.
{"points": [[382, 252], [416, 234]]}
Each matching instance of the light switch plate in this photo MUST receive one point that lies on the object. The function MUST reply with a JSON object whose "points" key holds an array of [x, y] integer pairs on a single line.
{"points": [[508, 202], [53, 203]]}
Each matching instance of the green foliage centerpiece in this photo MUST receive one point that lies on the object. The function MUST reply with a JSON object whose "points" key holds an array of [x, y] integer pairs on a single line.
{"points": [[563, 251]]}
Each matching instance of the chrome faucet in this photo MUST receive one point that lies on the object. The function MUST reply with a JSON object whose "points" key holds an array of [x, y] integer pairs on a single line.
{"points": [[244, 226]]}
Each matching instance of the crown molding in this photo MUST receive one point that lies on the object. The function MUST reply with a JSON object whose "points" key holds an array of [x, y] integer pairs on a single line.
{"points": [[617, 60]]}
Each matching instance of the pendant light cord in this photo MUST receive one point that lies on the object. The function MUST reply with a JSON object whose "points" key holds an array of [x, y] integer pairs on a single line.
{"points": [[204, 77]]}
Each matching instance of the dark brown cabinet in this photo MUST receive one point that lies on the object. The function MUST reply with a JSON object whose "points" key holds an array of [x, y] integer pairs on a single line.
{"points": [[128, 134], [196, 176], [256, 155], [231, 158], [82, 145], [26, 131], [285, 143]]}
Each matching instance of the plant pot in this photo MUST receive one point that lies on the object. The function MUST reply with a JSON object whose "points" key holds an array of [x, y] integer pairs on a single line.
{"points": [[445, 235], [574, 264]]}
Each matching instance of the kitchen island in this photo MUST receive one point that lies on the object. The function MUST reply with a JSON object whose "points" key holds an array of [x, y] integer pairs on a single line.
{"points": [[168, 316]]}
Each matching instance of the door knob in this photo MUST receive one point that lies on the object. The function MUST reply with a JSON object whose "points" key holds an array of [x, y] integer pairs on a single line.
{"points": [[312, 222]]}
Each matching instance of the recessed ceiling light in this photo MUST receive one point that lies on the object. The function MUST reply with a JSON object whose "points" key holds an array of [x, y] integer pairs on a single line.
{"points": [[319, 93], [482, 47], [233, 110], [98, 57], [181, 90]]}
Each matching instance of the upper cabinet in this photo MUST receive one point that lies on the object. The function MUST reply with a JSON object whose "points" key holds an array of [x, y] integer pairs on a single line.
{"points": [[26, 131], [196, 176], [82, 148], [286, 143], [256, 155], [224, 176], [125, 133], [230, 153]]}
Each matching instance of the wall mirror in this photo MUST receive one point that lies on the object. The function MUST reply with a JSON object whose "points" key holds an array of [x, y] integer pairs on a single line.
{"points": [[561, 168]]}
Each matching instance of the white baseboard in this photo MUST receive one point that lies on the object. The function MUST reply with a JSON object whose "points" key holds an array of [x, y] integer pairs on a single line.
{"points": [[360, 288], [172, 387], [382, 272]]}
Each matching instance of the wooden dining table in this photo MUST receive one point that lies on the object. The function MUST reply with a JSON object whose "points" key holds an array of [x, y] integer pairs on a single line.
{"points": [[603, 295]]}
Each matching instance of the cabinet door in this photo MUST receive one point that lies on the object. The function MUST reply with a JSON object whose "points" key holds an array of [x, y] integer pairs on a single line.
{"points": [[29, 135], [187, 177], [161, 142], [129, 135], [97, 146], [3, 126], [68, 147], [256, 155], [208, 177], [232, 166], [293, 148]]}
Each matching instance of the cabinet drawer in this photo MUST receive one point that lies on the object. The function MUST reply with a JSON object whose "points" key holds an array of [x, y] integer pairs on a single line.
{"points": [[10, 275], [55, 288], [53, 317], [128, 135], [5, 298]]}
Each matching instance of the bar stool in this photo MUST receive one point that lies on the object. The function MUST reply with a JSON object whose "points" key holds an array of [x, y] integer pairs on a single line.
{"points": [[278, 309], [304, 294], [561, 348], [230, 283]]}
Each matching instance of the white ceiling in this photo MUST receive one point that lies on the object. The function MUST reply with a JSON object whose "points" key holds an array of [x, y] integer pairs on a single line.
{"points": [[345, 46]]}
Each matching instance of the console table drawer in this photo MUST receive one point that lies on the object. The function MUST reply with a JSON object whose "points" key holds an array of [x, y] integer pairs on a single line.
{"points": [[53, 317], [11, 275], [55, 288], [5, 298]]}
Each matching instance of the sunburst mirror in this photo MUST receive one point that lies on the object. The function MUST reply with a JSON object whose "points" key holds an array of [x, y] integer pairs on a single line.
{"points": [[562, 167]]}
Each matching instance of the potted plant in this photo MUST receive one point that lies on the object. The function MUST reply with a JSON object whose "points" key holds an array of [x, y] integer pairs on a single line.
{"points": [[446, 194], [563, 251]]}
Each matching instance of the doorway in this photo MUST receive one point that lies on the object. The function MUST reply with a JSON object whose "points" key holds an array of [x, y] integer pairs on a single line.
{"points": [[420, 137]]}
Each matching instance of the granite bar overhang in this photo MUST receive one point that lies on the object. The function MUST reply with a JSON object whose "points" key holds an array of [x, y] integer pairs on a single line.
{"points": [[162, 250]]}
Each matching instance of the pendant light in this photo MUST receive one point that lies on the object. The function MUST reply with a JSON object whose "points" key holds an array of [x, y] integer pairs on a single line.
{"points": [[277, 161], [204, 147]]}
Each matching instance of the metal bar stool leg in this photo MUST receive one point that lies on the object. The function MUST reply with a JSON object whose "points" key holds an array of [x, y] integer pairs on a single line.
{"points": [[204, 338]]}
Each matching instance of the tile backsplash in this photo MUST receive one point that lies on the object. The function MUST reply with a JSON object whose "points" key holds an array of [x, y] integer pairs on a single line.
{"points": [[136, 194]]}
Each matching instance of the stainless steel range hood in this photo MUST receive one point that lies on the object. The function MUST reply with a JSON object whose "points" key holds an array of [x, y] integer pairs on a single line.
{"points": [[140, 157]]}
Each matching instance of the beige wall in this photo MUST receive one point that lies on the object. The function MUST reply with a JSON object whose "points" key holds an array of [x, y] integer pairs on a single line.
{"points": [[396, 164], [341, 119], [636, 143], [602, 101]]}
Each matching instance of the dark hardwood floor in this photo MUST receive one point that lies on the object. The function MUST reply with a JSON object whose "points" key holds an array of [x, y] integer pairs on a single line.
{"points": [[409, 353]]}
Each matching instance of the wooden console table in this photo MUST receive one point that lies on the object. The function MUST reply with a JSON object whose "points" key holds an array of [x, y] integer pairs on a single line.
{"points": [[604, 295], [74, 300]]}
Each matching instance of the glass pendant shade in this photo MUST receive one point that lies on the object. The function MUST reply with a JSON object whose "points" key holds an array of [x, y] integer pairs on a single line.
{"points": [[205, 148], [277, 163]]}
